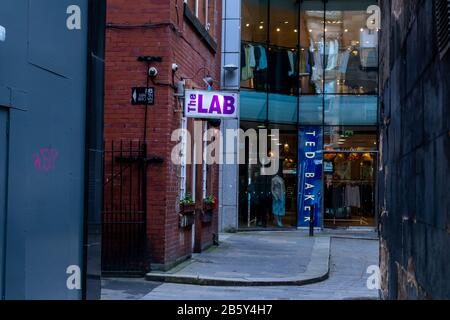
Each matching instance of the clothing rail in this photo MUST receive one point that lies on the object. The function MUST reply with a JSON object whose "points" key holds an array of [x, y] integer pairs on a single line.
{"points": [[264, 44]]}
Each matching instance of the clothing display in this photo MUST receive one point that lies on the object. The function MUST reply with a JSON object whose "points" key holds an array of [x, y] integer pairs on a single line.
{"points": [[250, 62], [343, 61], [333, 53], [352, 196], [278, 196], [261, 58]]}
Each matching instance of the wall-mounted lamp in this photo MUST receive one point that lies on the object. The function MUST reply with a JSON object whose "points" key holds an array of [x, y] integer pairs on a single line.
{"points": [[209, 81], [230, 67]]}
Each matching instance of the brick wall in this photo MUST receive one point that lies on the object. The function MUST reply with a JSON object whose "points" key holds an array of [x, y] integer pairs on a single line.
{"points": [[156, 28], [414, 186]]}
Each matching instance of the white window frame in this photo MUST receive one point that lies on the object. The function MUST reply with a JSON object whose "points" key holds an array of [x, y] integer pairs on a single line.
{"points": [[183, 173]]}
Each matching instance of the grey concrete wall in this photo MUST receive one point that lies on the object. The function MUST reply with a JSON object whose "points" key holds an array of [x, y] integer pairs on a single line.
{"points": [[414, 180], [229, 173], [43, 93]]}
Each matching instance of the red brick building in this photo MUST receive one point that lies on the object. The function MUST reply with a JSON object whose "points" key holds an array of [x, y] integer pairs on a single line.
{"points": [[167, 32]]}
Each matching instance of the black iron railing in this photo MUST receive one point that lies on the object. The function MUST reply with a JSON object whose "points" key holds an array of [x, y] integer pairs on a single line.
{"points": [[124, 209]]}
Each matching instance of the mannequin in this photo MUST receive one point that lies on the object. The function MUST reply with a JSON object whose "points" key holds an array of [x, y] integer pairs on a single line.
{"points": [[278, 199]]}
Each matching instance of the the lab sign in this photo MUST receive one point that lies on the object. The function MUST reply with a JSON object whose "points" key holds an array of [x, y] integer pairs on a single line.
{"points": [[211, 104]]}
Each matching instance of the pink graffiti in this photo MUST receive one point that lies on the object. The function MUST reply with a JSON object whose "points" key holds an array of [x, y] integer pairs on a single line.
{"points": [[44, 161]]}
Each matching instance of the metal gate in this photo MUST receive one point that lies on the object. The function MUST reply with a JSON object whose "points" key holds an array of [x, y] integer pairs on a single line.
{"points": [[124, 209]]}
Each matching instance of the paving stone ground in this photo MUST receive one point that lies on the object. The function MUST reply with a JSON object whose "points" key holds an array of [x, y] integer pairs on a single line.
{"points": [[350, 258], [255, 258]]}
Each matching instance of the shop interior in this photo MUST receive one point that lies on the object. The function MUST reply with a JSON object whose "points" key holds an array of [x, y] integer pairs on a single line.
{"points": [[270, 201], [349, 176]]}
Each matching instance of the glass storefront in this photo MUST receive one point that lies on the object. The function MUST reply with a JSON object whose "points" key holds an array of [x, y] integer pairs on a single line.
{"points": [[270, 201], [310, 69]]}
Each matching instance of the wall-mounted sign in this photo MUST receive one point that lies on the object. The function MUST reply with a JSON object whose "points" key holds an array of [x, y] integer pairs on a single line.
{"points": [[211, 104], [310, 175], [2, 33], [142, 96]]}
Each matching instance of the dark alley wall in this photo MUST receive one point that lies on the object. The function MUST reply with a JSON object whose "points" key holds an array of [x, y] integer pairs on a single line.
{"points": [[414, 185]]}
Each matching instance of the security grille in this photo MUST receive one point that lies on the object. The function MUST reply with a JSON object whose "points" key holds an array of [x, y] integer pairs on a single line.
{"points": [[442, 11]]}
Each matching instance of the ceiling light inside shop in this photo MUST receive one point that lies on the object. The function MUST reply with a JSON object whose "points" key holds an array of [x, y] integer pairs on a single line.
{"points": [[286, 22], [278, 29], [295, 30], [247, 25], [261, 27], [346, 30]]}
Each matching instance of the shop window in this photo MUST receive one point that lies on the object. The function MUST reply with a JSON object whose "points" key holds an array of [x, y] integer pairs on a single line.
{"points": [[312, 47], [283, 50], [202, 13], [254, 49], [270, 201], [349, 189], [351, 49], [348, 139]]}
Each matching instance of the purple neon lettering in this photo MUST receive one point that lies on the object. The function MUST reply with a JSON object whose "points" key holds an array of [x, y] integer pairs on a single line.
{"points": [[215, 105], [229, 107], [200, 105]]}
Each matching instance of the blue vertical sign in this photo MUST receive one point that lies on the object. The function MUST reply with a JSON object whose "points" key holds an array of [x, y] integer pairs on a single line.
{"points": [[310, 175]]}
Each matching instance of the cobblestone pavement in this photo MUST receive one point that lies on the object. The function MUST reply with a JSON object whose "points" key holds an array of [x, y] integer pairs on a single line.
{"points": [[350, 259]]}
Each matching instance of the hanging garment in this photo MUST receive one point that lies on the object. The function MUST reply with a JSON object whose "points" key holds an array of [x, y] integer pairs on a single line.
{"points": [[262, 59], [279, 68], [333, 54], [243, 56], [352, 196], [278, 196], [247, 71], [356, 77], [252, 59], [303, 62], [343, 63], [291, 62]]}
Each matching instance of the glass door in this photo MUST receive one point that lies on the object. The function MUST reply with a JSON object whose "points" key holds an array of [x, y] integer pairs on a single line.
{"points": [[349, 189]]}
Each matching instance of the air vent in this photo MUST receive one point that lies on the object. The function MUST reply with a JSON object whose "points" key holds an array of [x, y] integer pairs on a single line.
{"points": [[442, 11]]}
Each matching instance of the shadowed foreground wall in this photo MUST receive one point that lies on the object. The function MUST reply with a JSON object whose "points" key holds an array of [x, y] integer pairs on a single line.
{"points": [[414, 186]]}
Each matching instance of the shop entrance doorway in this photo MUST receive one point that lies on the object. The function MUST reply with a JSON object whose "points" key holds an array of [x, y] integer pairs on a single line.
{"points": [[349, 189]]}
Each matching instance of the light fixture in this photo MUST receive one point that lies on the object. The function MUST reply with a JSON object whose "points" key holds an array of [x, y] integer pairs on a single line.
{"points": [[295, 30], [278, 29], [362, 30], [230, 67], [346, 30], [261, 27], [209, 81], [247, 25], [286, 22]]}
